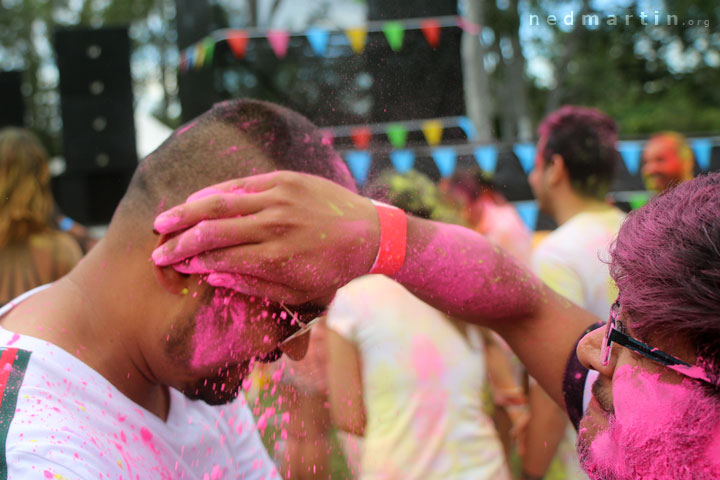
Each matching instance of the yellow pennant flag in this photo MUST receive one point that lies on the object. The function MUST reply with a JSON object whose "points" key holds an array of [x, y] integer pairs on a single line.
{"points": [[357, 36], [433, 131], [199, 55]]}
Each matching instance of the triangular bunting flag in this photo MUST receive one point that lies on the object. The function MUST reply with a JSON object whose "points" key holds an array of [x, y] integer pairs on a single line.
{"points": [[397, 133], [394, 32], [361, 137], [279, 40], [209, 49], [638, 200], [528, 212], [468, 127], [183, 61], [486, 158], [190, 57], [445, 159], [702, 148], [199, 55], [357, 36], [526, 154], [328, 138], [318, 39], [433, 131], [402, 160], [468, 27], [431, 30], [631, 152], [359, 163], [238, 40]]}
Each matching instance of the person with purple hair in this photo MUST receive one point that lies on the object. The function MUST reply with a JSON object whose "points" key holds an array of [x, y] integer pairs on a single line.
{"points": [[654, 409], [574, 167]]}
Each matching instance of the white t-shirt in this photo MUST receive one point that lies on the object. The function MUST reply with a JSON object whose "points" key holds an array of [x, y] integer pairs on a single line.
{"points": [[422, 387], [572, 261], [63, 420]]}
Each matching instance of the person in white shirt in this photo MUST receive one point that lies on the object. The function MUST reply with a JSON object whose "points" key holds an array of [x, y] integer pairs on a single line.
{"points": [[123, 369], [574, 166]]}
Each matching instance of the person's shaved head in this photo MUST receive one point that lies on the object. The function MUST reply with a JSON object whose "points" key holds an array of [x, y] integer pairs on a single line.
{"points": [[235, 138]]}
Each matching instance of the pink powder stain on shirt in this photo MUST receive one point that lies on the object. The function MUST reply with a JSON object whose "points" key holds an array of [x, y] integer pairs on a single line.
{"points": [[659, 430], [48, 474], [12, 340], [426, 359]]}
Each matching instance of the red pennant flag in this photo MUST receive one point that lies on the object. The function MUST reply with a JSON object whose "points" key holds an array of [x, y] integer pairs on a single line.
{"points": [[431, 30], [238, 40], [361, 137]]}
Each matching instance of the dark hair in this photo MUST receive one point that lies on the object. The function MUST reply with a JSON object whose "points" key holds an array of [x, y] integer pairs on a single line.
{"points": [[472, 181], [235, 138], [586, 140], [666, 264]]}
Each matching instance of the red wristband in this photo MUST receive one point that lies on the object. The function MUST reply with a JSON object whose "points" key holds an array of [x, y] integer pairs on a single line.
{"points": [[393, 239]]}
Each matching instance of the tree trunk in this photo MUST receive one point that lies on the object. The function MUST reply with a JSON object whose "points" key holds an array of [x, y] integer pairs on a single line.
{"points": [[517, 83], [478, 99]]}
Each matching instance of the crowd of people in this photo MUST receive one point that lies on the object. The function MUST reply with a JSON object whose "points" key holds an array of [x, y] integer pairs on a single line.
{"points": [[419, 334]]}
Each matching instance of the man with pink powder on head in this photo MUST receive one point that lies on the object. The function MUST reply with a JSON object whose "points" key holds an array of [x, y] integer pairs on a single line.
{"points": [[123, 369], [654, 410]]}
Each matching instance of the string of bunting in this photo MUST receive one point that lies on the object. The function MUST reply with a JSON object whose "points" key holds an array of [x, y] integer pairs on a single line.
{"points": [[201, 53], [486, 156]]}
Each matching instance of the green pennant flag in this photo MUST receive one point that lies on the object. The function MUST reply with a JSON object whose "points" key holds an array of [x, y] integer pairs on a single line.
{"points": [[209, 47], [394, 32], [397, 133], [638, 200]]}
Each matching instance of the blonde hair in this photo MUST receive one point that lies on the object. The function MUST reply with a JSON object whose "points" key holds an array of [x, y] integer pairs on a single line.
{"points": [[25, 197]]}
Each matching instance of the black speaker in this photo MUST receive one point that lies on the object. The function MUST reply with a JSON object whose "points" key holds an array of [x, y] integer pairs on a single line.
{"points": [[90, 198], [12, 112], [96, 99]]}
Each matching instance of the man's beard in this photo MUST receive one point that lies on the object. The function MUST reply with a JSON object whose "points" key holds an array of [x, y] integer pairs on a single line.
{"points": [[659, 431], [220, 389]]}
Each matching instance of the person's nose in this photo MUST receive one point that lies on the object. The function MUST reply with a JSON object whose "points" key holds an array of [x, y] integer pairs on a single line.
{"points": [[589, 352]]}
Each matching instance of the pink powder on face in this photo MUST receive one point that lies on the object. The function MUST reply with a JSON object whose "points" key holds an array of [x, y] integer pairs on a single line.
{"points": [[220, 329], [659, 431]]}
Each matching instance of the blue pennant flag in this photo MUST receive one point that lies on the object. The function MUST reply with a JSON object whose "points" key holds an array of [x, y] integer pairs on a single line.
{"points": [[486, 158], [526, 154], [701, 148], [528, 212], [631, 152], [445, 159], [318, 38], [402, 160], [467, 126], [359, 163], [190, 56]]}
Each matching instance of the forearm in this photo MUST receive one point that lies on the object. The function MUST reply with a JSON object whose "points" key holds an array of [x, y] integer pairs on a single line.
{"points": [[544, 432], [461, 273]]}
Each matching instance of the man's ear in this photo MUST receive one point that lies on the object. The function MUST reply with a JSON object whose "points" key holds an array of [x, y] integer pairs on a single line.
{"points": [[556, 169], [171, 280]]}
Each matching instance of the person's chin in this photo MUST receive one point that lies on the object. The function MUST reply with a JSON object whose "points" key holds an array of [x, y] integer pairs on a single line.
{"points": [[220, 389], [595, 421]]}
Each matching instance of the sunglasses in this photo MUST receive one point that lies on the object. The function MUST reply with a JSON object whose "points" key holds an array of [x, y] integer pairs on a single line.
{"points": [[616, 332], [303, 327]]}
